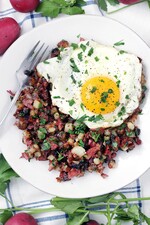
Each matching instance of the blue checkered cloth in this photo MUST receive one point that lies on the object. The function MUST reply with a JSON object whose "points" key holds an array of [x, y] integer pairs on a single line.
{"points": [[19, 191]]}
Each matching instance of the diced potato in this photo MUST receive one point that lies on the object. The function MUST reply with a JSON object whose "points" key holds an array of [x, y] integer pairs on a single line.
{"points": [[96, 161], [78, 150], [68, 126], [37, 104]]}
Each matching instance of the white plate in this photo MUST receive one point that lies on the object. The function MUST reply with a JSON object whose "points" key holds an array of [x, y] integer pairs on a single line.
{"points": [[129, 165]]}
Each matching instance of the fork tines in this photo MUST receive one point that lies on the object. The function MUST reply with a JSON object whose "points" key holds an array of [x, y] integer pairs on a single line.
{"points": [[37, 54]]}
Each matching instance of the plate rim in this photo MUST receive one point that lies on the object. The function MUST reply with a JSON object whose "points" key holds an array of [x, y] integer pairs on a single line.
{"points": [[22, 37]]}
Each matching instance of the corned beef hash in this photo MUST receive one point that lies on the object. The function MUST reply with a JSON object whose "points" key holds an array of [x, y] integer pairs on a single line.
{"points": [[80, 108]]}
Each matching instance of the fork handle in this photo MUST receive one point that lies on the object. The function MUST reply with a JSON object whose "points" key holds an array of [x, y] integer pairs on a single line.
{"points": [[11, 105]]}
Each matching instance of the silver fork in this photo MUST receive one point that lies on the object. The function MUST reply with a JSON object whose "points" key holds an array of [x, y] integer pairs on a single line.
{"points": [[27, 66]]}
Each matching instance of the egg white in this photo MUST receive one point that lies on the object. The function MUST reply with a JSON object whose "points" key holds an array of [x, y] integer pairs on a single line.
{"points": [[74, 67]]}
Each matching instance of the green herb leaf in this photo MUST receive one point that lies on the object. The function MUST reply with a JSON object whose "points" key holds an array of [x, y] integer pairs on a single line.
{"points": [[102, 4], [80, 56], [83, 47], [43, 130], [144, 218], [113, 2], [79, 128], [96, 58], [80, 3], [133, 212], [56, 96], [66, 205], [95, 118], [71, 102], [82, 106], [122, 52], [77, 218], [74, 66], [74, 45], [93, 89], [53, 8], [6, 173], [95, 136], [82, 118], [5, 215], [48, 8], [81, 143], [42, 121], [72, 10], [46, 145], [102, 198], [119, 43], [90, 52], [148, 1]]}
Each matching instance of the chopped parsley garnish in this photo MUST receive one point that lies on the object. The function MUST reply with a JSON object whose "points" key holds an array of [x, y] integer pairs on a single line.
{"points": [[107, 58], [110, 91], [119, 43], [86, 72], [71, 102], [43, 130], [102, 109], [96, 59], [60, 156], [46, 62], [74, 66], [90, 52], [81, 143], [21, 114], [82, 118], [144, 88], [127, 97], [122, 52], [79, 128], [41, 133], [42, 121], [95, 136], [80, 83], [73, 79], [95, 118], [74, 46], [83, 47], [102, 81], [104, 96], [48, 77], [88, 43], [46, 145], [93, 89], [117, 103], [80, 56], [118, 83], [122, 111], [82, 106], [70, 112], [56, 97], [59, 57]]}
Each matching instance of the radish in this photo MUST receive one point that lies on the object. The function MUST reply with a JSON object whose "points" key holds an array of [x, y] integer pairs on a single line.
{"points": [[21, 219], [24, 6]]}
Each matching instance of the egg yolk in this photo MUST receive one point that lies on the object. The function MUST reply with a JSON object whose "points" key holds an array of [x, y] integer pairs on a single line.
{"points": [[100, 95]]}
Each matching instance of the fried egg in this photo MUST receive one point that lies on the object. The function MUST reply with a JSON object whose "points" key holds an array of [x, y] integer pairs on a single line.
{"points": [[95, 83]]}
